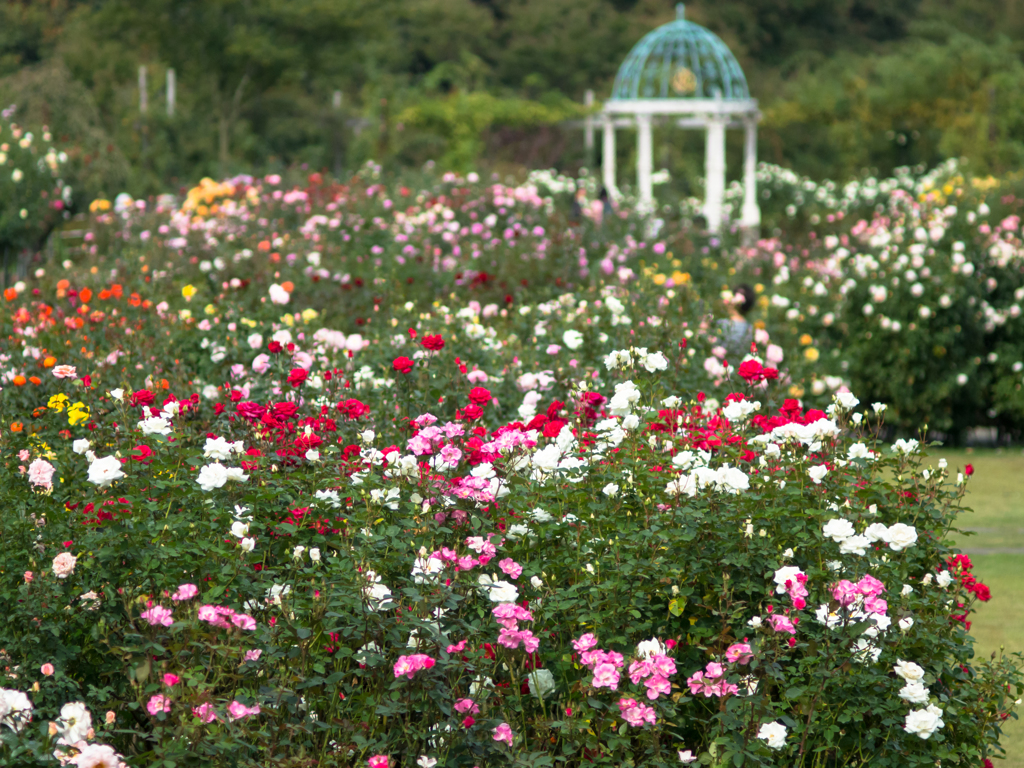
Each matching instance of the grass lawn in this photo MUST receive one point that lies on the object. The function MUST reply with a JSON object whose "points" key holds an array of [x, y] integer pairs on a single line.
{"points": [[996, 495]]}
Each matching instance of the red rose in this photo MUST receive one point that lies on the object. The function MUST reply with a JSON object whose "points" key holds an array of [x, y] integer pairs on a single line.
{"points": [[433, 342], [250, 410], [752, 371], [143, 454], [142, 397], [284, 410], [480, 395], [274, 347], [472, 412], [297, 377], [969, 470], [353, 408], [770, 373], [404, 364]]}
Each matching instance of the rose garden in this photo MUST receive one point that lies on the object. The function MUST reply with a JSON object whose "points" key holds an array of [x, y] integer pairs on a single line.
{"points": [[401, 468], [428, 470]]}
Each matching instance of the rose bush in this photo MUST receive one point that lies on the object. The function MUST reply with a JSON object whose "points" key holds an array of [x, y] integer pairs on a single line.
{"points": [[456, 519]]}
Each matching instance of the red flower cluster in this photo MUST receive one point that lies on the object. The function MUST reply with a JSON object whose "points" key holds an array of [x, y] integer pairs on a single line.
{"points": [[433, 342], [753, 372]]}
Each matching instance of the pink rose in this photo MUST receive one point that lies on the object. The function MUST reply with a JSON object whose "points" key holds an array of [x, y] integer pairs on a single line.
{"points": [[185, 592], [739, 653], [237, 710], [584, 643], [606, 676], [64, 371], [503, 733], [64, 565], [157, 704], [158, 616], [40, 472], [511, 567], [46, 669], [205, 712], [171, 680]]}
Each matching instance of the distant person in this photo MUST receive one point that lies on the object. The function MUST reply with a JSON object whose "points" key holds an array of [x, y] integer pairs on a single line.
{"points": [[576, 212], [737, 333], [601, 207]]}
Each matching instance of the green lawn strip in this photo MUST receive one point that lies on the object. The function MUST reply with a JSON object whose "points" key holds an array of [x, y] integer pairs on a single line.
{"points": [[996, 498]]}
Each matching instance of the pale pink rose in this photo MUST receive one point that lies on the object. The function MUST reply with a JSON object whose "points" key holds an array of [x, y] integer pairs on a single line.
{"points": [[46, 669], [462, 706], [64, 371], [262, 363], [40, 472], [584, 643], [158, 616], [253, 655], [24, 455], [782, 624], [29, 576], [64, 565]]}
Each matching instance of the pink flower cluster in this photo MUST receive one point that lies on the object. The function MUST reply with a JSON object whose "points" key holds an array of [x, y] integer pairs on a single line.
{"points": [[604, 664], [867, 589], [158, 616], [185, 592], [224, 617], [158, 704], [711, 682], [635, 713], [410, 665], [794, 586], [483, 547], [205, 712], [237, 710], [655, 671], [509, 615], [511, 568]]}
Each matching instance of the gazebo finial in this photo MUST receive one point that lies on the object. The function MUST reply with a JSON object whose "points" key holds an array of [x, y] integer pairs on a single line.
{"points": [[680, 12]]}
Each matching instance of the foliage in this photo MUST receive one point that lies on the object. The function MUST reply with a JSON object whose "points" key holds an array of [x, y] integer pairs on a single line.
{"points": [[32, 194]]}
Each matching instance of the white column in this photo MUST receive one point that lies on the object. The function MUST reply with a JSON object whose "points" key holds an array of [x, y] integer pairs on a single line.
{"points": [[143, 93], [608, 155], [644, 160], [588, 124], [750, 217], [714, 172], [172, 89]]}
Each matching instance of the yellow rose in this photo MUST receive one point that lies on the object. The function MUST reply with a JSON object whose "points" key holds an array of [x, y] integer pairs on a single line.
{"points": [[811, 354], [805, 340], [77, 413], [309, 315], [210, 309], [57, 403], [188, 292]]}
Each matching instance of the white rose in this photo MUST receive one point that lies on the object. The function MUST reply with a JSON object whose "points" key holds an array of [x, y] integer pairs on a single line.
{"points": [[217, 448], [654, 362], [817, 473], [924, 722], [155, 425], [212, 476], [774, 734], [278, 295], [647, 648], [943, 579], [877, 532], [75, 722], [314, 554], [541, 682], [784, 574], [239, 529], [117, 394], [502, 592], [572, 339], [104, 471], [81, 446], [901, 536], [536, 582], [838, 530], [297, 552], [855, 545], [907, 589], [611, 490], [905, 623], [846, 400], [248, 544], [908, 670]]}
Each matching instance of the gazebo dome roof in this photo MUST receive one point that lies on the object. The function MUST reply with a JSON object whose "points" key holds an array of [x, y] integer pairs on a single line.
{"points": [[680, 60]]}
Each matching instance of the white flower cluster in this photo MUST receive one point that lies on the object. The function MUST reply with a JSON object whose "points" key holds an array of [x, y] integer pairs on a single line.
{"points": [[920, 722], [216, 475], [898, 537], [726, 478]]}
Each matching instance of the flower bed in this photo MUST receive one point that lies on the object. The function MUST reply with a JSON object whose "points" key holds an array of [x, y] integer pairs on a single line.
{"points": [[290, 508]]}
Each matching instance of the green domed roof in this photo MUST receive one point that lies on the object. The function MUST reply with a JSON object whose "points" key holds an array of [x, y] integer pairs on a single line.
{"points": [[680, 60]]}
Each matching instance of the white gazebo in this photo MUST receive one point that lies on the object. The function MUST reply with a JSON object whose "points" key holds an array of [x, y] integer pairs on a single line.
{"points": [[685, 73]]}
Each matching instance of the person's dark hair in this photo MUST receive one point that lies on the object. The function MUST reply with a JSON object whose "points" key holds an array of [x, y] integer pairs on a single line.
{"points": [[603, 195], [747, 293]]}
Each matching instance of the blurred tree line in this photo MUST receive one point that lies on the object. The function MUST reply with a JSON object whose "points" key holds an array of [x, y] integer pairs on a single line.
{"points": [[846, 86]]}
